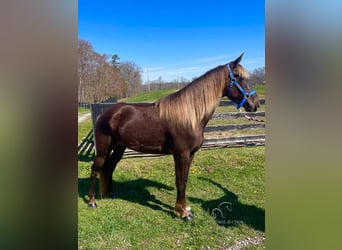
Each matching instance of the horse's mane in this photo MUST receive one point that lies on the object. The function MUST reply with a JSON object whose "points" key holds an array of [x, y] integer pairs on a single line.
{"points": [[187, 107]]}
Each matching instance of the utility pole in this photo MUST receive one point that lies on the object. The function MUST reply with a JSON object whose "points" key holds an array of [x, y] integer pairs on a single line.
{"points": [[148, 81]]}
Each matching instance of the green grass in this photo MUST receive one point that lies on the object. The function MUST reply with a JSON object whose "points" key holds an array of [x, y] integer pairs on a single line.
{"points": [[82, 110], [141, 215], [83, 129], [261, 90], [149, 96]]}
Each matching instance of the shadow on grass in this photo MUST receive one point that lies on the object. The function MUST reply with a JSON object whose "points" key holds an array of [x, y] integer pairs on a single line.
{"points": [[134, 191], [228, 211], [85, 148]]}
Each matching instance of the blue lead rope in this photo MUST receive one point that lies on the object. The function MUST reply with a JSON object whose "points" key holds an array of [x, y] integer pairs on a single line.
{"points": [[233, 82]]}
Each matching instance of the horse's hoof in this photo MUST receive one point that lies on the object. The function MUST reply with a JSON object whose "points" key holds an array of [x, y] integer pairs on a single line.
{"points": [[188, 217], [92, 205]]}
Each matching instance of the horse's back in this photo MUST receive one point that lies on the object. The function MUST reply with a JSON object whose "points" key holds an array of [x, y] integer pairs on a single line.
{"points": [[118, 110], [136, 126], [105, 122]]}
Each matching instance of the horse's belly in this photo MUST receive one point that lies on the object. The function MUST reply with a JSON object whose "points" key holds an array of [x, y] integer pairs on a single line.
{"points": [[146, 146], [147, 140], [148, 149]]}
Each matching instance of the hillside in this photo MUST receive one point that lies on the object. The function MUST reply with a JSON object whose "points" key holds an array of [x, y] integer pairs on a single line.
{"points": [[149, 96], [156, 94]]}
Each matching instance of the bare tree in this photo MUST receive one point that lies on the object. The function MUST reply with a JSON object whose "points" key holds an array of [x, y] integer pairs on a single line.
{"points": [[258, 76], [99, 77], [101, 87], [85, 53], [131, 74]]}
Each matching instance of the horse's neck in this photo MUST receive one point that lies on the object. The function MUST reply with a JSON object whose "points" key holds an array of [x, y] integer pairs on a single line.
{"points": [[206, 119]]}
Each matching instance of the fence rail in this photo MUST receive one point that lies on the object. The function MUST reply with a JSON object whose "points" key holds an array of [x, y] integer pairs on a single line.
{"points": [[234, 115], [86, 147], [98, 108], [230, 103], [238, 141], [235, 127]]}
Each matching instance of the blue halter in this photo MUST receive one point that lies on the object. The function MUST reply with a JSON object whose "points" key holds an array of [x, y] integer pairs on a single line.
{"points": [[233, 82]]}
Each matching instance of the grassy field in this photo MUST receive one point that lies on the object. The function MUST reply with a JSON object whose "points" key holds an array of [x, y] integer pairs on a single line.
{"points": [[82, 110], [149, 96], [261, 90], [141, 215], [154, 95]]}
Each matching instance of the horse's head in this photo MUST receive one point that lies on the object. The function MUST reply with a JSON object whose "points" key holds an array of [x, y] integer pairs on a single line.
{"points": [[238, 90]]}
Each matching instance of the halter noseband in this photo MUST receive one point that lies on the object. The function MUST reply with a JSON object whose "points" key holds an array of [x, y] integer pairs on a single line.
{"points": [[233, 82]]}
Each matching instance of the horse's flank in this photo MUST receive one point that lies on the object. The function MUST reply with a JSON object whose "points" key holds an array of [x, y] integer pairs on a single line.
{"points": [[187, 107]]}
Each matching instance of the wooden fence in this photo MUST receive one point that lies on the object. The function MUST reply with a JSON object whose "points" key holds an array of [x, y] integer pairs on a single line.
{"points": [[98, 108]]}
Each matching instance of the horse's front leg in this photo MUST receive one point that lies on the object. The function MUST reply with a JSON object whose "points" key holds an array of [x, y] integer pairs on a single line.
{"points": [[182, 166]]}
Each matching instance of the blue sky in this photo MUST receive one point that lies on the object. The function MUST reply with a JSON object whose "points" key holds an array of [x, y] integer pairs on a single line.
{"points": [[176, 38]]}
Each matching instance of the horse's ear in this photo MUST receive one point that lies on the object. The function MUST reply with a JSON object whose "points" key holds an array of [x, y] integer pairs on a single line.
{"points": [[236, 61]]}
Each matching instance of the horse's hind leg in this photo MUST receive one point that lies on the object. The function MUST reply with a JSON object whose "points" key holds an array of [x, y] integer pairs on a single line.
{"points": [[106, 176], [102, 155]]}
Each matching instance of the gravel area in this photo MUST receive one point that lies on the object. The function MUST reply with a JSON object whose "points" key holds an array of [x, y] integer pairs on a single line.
{"points": [[83, 117], [249, 241]]}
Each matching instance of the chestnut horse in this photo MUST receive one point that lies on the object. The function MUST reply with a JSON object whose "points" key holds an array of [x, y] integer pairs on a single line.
{"points": [[172, 125]]}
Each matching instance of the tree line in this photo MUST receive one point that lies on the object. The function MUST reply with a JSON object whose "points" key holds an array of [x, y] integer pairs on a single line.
{"points": [[257, 76], [104, 76]]}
